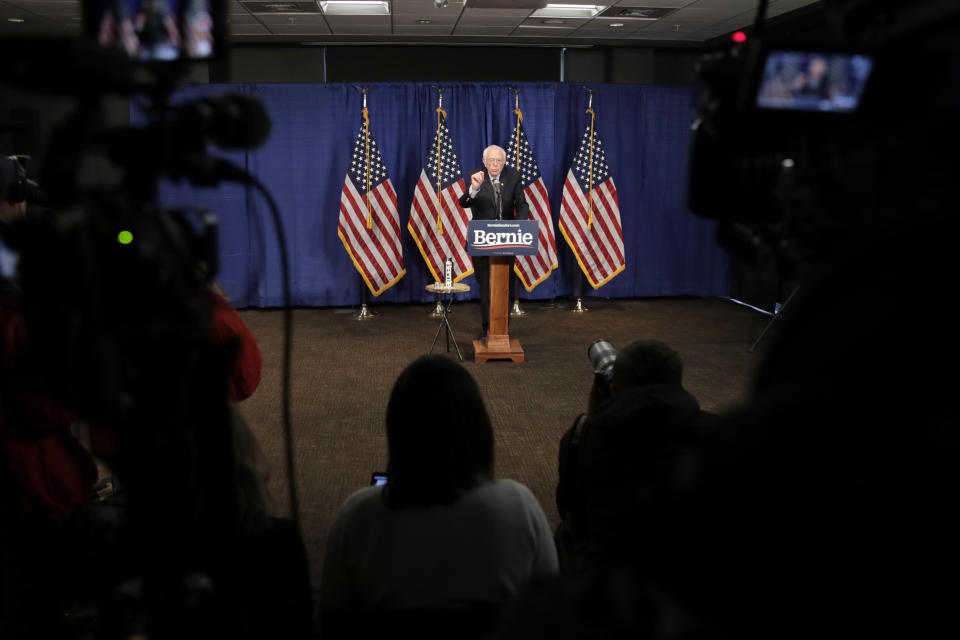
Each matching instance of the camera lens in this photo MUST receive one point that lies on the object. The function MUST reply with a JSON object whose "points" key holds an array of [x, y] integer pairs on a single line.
{"points": [[602, 355]]}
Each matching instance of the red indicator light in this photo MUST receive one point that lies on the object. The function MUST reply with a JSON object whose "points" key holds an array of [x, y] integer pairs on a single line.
{"points": [[739, 36]]}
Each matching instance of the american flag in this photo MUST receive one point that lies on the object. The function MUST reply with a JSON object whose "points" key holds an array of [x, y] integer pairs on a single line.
{"points": [[593, 232], [438, 223], [369, 224], [532, 270]]}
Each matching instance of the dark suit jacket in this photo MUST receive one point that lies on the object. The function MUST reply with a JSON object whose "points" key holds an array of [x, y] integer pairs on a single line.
{"points": [[483, 205]]}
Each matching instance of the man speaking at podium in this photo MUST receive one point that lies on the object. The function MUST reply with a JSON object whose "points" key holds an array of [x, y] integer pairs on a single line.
{"points": [[495, 193]]}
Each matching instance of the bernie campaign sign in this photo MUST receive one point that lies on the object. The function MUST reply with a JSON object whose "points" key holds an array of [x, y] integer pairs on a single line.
{"points": [[502, 237]]}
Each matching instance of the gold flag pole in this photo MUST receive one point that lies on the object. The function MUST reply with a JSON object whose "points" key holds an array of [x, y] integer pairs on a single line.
{"points": [[578, 307], [515, 310], [590, 184], [365, 313], [440, 113], [438, 307]]}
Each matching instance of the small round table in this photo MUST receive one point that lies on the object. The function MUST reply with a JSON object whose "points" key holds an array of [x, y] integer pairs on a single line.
{"points": [[441, 290]]}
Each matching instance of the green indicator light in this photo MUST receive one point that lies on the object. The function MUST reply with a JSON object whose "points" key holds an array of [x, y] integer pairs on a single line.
{"points": [[124, 237]]}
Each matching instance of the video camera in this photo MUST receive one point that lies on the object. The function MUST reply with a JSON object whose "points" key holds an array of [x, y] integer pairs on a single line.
{"points": [[802, 140], [106, 258], [114, 288]]}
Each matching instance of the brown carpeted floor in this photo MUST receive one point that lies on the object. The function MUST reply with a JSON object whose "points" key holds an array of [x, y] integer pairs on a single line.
{"points": [[343, 369]]}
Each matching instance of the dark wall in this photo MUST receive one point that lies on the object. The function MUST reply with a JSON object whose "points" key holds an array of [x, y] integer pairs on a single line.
{"points": [[630, 65], [271, 64], [456, 63], [450, 64]]}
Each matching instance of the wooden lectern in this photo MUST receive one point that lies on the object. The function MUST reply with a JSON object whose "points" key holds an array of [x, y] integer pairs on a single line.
{"points": [[501, 240], [497, 344]]}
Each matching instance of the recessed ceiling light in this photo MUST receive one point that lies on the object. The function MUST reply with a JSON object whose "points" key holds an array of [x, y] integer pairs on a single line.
{"points": [[568, 11], [17, 20], [554, 21], [354, 7], [616, 24], [424, 21]]}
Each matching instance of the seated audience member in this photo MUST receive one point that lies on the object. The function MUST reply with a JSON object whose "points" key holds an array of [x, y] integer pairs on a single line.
{"points": [[253, 579], [618, 459], [226, 325], [44, 472], [268, 590], [442, 534], [598, 606]]}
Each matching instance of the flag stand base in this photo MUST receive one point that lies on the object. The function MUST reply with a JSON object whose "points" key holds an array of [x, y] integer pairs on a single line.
{"points": [[365, 313], [437, 311], [516, 311], [578, 307]]}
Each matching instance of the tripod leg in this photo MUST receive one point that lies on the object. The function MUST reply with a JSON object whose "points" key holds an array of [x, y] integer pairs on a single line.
{"points": [[437, 335], [775, 317], [449, 336]]}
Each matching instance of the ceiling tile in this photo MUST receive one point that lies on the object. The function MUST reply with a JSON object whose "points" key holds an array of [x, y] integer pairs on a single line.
{"points": [[687, 26], [425, 7], [244, 18], [470, 30], [738, 22], [731, 6], [784, 6], [290, 18], [792, 4], [705, 15], [480, 14], [299, 29], [249, 30], [435, 19], [234, 8], [500, 21], [641, 34], [550, 32], [359, 25], [423, 30], [603, 32]]}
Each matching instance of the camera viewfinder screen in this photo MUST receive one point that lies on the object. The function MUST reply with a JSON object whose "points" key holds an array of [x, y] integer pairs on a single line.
{"points": [[156, 30], [813, 81]]}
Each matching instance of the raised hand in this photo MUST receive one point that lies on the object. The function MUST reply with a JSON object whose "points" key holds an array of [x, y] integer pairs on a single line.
{"points": [[476, 180]]}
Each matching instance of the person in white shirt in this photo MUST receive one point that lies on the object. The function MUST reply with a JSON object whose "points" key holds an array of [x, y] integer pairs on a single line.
{"points": [[442, 532]]}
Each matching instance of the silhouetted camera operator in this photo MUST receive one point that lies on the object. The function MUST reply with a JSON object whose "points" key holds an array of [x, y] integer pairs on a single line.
{"points": [[826, 499], [620, 458]]}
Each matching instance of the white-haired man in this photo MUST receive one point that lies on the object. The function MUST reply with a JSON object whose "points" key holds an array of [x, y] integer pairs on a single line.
{"points": [[495, 193]]}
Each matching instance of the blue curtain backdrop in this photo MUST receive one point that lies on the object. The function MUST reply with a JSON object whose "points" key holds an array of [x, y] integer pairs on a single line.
{"points": [[645, 132]]}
